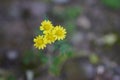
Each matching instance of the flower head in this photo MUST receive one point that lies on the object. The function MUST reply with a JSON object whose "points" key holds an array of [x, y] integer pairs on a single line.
{"points": [[59, 32], [50, 37], [46, 26], [39, 42], [50, 34]]}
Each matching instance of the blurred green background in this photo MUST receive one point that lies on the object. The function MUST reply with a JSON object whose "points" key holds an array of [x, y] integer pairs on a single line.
{"points": [[91, 50]]}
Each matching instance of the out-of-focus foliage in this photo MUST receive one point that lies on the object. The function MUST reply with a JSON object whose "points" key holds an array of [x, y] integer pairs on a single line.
{"points": [[94, 59], [66, 52], [70, 27], [57, 63], [11, 77], [43, 58], [28, 57], [72, 12], [1, 78], [30, 60], [114, 4], [66, 14], [37, 31]]}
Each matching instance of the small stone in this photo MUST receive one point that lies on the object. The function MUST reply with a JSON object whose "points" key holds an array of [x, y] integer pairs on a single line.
{"points": [[110, 39], [77, 38], [29, 74], [83, 22], [12, 55], [100, 69]]}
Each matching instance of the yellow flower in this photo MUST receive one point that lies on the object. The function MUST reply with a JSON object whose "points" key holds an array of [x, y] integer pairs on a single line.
{"points": [[50, 34], [39, 42], [59, 32], [46, 26], [50, 37]]}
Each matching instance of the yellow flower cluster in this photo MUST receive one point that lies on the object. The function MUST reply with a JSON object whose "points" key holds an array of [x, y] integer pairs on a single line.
{"points": [[50, 34]]}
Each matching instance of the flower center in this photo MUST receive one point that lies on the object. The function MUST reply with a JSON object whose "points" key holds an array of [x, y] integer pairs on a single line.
{"points": [[59, 33], [40, 42], [46, 27]]}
